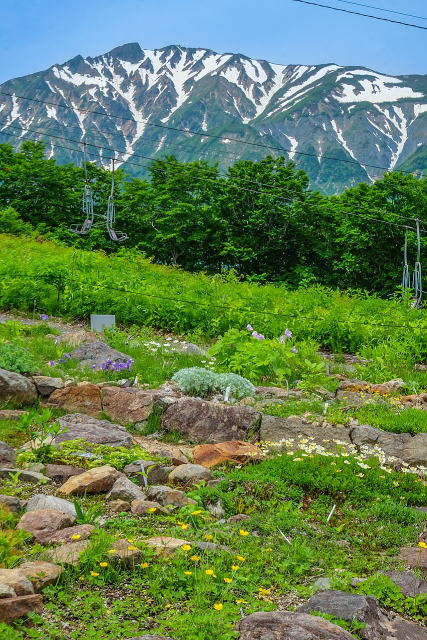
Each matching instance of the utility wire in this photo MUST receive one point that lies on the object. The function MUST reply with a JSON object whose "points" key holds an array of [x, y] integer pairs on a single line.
{"points": [[369, 6], [327, 206], [96, 285], [203, 134], [357, 13]]}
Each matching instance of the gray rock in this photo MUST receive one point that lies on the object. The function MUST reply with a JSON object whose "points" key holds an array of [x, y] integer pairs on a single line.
{"points": [[81, 426], [41, 501], [7, 455], [275, 429], [410, 449], [125, 489], [189, 474], [167, 496], [97, 352], [409, 584], [46, 385], [154, 472], [24, 475], [350, 606], [60, 472], [203, 421], [14, 504], [287, 625], [6, 591], [16, 389]]}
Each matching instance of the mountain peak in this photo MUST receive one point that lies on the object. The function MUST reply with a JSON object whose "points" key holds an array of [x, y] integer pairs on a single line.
{"points": [[130, 52]]}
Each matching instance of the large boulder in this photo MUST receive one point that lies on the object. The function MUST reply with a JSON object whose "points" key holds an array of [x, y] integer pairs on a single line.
{"points": [[287, 625], [275, 429], [7, 455], [61, 472], [11, 502], [125, 489], [40, 574], [96, 480], [80, 426], [68, 553], [203, 421], [364, 609], [46, 385], [410, 449], [127, 405], [16, 389], [409, 583], [68, 534], [414, 557], [13, 608], [189, 474], [24, 475], [96, 353], [236, 451], [168, 497], [44, 521], [84, 397], [17, 581], [43, 501]]}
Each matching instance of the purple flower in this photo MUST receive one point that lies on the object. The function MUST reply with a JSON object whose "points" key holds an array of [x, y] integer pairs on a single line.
{"points": [[44, 317], [52, 363], [282, 339], [60, 360], [66, 355], [94, 366], [288, 333], [249, 327], [257, 335], [294, 350]]}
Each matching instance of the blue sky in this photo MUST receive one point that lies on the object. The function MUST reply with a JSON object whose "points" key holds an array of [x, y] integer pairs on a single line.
{"points": [[34, 34]]}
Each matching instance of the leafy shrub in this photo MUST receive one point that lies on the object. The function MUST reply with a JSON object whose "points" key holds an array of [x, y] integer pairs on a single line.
{"points": [[195, 381], [11, 222], [276, 360], [239, 387], [15, 358]]}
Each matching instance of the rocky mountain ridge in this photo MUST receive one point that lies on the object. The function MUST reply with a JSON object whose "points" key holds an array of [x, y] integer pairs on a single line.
{"points": [[317, 115]]}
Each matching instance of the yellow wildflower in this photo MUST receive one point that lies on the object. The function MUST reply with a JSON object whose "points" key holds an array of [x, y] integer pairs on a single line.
{"points": [[184, 526], [269, 549], [210, 572], [243, 532], [264, 592], [188, 573], [132, 548], [131, 540], [241, 601], [186, 547], [103, 564], [218, 606], [240, 558], [208, 536], [76, 536], [94, 574], [197, 512], [111, 551], [228, 580], [423, 545], [195, 558], [152, 509], [235, 567], [144, 565]]}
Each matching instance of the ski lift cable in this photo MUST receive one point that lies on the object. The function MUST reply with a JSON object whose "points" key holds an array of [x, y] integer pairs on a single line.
{"points": [[271, 187]]}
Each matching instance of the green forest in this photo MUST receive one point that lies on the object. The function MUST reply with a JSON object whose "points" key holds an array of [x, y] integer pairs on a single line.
{"points": [[259, 221]]}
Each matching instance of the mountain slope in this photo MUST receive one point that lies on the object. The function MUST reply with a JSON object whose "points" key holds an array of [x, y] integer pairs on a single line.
{"points": [[349, 113]]}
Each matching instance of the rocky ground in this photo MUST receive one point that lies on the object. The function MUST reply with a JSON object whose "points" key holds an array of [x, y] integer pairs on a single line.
{"points": [[197, 518]]}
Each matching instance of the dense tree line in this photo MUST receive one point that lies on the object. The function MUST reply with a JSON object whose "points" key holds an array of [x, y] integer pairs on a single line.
{"points": [[259, 219]]}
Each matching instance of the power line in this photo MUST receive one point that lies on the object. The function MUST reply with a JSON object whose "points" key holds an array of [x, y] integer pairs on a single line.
{"points": [[369, 6], [282, 202], [97, 285], [357, 13], [204, 134]]}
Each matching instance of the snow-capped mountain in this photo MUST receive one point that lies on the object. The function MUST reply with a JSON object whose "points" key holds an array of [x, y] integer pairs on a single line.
{"points": [[315, 113]]}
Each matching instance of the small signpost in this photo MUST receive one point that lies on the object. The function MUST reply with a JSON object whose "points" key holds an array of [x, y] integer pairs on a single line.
{"points": [[99, 322]]}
